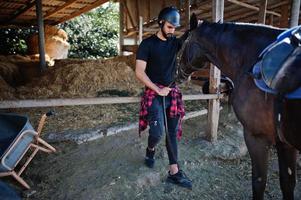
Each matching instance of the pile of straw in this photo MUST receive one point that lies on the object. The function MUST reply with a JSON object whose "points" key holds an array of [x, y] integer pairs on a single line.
{"points": [[82, 78]]}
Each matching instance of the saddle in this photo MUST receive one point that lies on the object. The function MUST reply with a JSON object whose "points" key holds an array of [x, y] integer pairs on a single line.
{"points": [[278, 68]]}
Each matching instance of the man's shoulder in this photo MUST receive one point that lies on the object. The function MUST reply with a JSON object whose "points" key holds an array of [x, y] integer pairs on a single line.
{"points": [[149, 39]]}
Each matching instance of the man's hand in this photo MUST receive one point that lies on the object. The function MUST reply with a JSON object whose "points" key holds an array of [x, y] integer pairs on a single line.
{"points": [[163, 91]]}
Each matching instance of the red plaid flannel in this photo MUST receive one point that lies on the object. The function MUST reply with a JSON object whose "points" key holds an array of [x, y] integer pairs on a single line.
{"points": [[176, 108]]}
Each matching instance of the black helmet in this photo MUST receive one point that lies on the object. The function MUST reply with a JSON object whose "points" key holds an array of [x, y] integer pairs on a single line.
{"points": [[170, 14]]}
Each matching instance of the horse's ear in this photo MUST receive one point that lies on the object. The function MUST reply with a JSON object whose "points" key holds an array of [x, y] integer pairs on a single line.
{"points": [[193, 21]]}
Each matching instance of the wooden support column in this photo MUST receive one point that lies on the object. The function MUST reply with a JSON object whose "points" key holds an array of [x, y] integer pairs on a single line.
{"points": [[271, 20], [187, 14], [262, 11], [214, 81], [128, 13], [39, 13], [284, 16], [140, 29], [137, 22], [217, 10], [121, 26], [295, 10], [148, 10]]}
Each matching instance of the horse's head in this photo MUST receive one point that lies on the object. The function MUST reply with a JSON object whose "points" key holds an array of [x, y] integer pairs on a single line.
{"points": [[192, 55]]}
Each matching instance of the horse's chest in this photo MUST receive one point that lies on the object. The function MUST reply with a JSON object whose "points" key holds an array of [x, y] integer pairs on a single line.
{"points": [[253, 109]]}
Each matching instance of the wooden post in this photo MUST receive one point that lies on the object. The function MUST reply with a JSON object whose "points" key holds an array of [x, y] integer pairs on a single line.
{"points": [[295, 10], [214, 81], [187, 13], [271, 22], [214, 104], [217, 10], [284, 16], [39, 14], [137, 22], [148, 10], [121, 27], [262, 11], [140, 29]]}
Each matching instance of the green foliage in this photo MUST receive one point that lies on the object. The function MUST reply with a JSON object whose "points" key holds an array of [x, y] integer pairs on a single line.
{"points": [[94, 34], [91, 35], [13, 40]]}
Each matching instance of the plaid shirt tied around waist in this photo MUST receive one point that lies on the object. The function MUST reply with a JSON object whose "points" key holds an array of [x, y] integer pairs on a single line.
{"points": [[176, 107]]}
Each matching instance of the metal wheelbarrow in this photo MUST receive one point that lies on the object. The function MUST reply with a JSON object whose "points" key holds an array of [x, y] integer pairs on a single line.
{"points": [[17, 136]]}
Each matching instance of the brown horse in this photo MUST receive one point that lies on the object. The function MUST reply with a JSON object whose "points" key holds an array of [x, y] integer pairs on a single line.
{"points": [[234, 49]]}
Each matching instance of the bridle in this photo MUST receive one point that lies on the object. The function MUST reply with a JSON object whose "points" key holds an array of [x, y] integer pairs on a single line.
{"points": [[187, 44]]}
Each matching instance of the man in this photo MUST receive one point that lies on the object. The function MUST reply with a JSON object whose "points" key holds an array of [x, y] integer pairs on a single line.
{"points": [[155, 67]]}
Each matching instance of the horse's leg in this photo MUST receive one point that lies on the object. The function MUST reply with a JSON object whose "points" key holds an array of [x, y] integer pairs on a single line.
{"points": [[287, 166], [258, 149]]}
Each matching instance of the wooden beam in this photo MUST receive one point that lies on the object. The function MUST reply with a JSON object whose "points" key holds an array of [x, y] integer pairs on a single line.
{"points": [[130, 48], [89, 101], [22, 11], [187, 14], [295, 10], [284, 16], [163, 4], [137, 37], [213, 104], [81, 11], [153, 30], [271, 20], [178, 4], [214, 80], [217, 10], [121, 26], [242, 16], [253, 7], [137, 11], [148, 10], [278, 4], [234, 13], [129, 14], [140, 29], [262, 11], [39, 13], [66, 4]]}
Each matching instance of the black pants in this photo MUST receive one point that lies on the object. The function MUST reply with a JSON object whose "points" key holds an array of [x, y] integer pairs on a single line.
{"points": [[156, 124]]}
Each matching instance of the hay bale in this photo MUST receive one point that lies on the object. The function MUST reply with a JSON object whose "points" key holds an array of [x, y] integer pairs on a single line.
{"points": [[6, 91], [82, 78], [130, 60], [9, 71]]}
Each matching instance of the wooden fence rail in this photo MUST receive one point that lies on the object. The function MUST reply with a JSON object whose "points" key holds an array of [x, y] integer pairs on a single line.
{"points": [[88, 101]]}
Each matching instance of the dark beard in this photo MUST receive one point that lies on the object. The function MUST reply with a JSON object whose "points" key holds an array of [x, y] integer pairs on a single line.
{"points": [[166, 36]]}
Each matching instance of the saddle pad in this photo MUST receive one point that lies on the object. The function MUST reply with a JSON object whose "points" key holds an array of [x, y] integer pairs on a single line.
{"points": [[263, 86], [273, 60]]}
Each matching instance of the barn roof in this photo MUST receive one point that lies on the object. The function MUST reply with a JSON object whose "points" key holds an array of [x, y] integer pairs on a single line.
{"points": [[277, 11], [23, 12]]}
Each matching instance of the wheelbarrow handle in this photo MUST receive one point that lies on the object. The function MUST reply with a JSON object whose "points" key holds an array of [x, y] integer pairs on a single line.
{"points": [[42, 121]]}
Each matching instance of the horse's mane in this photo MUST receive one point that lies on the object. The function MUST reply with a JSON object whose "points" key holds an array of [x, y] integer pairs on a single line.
{"points": [[241, 26]]}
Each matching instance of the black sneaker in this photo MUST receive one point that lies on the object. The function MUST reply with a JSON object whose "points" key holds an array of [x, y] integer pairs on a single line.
{"points": [[149, 158], [180, 179]]}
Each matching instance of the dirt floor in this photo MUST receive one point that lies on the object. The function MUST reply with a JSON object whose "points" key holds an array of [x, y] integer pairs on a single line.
{"points": [[112, 167]]}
